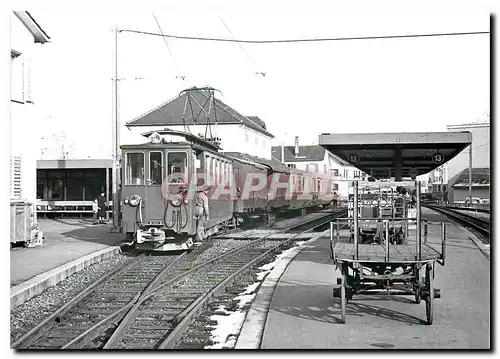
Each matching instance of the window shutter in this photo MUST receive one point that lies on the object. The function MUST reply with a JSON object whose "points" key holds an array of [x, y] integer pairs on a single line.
{"points": [[27, 80], [15, 177]]}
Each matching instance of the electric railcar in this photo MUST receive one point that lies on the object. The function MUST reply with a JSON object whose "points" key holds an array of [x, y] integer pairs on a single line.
{"points": [[178, 189]]}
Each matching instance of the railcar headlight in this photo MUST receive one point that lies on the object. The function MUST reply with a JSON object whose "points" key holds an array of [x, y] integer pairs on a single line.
{"points": [[134, 200], [176, 201], [125, 200]]}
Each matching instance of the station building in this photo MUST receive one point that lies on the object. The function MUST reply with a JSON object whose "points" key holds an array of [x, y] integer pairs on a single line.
{"points": [[195, 111], [26, 35], [458, 167], [68, 186]]}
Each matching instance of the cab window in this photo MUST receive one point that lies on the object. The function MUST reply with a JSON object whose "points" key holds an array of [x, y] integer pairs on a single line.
{"points": [[177, 166], [155, 168], [134, 168]]}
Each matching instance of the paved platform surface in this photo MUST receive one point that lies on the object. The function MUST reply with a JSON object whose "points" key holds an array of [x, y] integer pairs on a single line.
{"points": [[65, 240], [304, 315]]}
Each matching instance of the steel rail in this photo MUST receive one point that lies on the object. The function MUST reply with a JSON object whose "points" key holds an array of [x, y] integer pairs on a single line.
{"points": [[73, 302], [479, 224], [184, 318], [129, 305], [114, 340], [89, 290], [189, 314]]}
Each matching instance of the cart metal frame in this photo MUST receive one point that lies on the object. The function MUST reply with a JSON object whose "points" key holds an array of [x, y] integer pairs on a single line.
{"points": [[386, 267]]}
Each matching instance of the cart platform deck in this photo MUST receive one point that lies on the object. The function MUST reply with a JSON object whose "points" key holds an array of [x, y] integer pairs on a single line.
{"points": [[376, 252]]}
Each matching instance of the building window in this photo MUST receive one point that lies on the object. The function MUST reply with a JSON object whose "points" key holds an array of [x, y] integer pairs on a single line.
{"points": [[312, 167], [247, 138], [335, 172], [357, 174], [292, 166], [346, 173], [15, 177]]}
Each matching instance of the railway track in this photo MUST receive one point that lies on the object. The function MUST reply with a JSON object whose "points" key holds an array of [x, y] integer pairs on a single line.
{"points": [[479, 224], [89, 310], [148, 303]]}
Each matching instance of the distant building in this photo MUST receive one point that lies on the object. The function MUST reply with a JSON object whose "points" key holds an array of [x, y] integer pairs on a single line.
{"points": [[459, 185], [195, 112], [25, 34], [437, 183], [314, 158], [480, 148]]}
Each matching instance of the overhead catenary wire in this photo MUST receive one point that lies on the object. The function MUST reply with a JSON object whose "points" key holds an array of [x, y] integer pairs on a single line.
{"points": [[168, 47], [326, 39], [240, 45]]}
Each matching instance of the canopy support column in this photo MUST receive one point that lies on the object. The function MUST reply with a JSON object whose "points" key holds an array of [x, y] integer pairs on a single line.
{"points": [[398, 164]]}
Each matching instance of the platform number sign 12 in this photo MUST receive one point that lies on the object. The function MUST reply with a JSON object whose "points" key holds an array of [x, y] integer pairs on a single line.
{"points": [[353, 158], [437, 158]]}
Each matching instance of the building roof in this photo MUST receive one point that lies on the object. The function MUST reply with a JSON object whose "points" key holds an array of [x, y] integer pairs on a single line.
{"points": [[29, 22], [310, 153], [480, 178], [74, 164], [195, 104], [258, 121], [275, 165], [385, 155]]}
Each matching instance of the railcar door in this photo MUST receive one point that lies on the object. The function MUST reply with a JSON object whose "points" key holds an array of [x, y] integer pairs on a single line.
{"points": [[155, 202], [133, 185]]}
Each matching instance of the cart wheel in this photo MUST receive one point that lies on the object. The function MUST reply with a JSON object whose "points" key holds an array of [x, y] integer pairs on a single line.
{"points": [[429, 279], [416, 286], [417, 295], [343, 292]]}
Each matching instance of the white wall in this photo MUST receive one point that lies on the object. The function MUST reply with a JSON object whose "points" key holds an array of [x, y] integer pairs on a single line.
{"points": [[480, 149], [23, 114], [235, 138]]}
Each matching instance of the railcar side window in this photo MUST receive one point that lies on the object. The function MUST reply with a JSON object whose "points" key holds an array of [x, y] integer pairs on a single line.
{"points": [[135, 169], [177, 166], [155, 168]]}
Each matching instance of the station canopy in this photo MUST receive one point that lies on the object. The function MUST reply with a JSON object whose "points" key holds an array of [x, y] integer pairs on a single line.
{"points": [[399, 155]]}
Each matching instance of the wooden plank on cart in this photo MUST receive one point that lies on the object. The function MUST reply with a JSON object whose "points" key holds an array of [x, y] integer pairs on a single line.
{"points": [[376, 252]]}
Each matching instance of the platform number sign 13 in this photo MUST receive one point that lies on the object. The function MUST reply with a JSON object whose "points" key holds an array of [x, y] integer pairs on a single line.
{"points": [[437, 158], [353, 158]]}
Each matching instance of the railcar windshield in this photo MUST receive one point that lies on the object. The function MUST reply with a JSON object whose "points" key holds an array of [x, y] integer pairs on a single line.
{"points": [[177, 167], [134, 168], [155, 168]]}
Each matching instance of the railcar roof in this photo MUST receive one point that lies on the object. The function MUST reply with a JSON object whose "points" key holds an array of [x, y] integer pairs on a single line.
{"points": [[275, 165], [384, 155], [184, 137]]}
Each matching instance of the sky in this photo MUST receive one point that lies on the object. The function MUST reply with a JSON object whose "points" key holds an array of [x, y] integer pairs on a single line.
{"points": [[385, 85]]}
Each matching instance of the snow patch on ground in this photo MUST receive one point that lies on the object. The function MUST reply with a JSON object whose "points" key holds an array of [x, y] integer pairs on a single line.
{"points": [[226, 331]]}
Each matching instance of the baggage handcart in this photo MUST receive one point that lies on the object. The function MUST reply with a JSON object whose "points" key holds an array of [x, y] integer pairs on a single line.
{"points": [[392, 262]]}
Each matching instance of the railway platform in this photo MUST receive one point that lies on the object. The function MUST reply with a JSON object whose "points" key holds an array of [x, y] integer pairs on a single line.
{"points": [[303, 314], [69, 245]]}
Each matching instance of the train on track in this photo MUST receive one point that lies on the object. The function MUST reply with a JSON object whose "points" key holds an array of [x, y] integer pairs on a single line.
{"points": [[178, 189]]}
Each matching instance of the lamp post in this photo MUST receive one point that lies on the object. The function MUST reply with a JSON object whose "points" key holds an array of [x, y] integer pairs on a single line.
{"points": [[470, 174], [116, 137]]}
